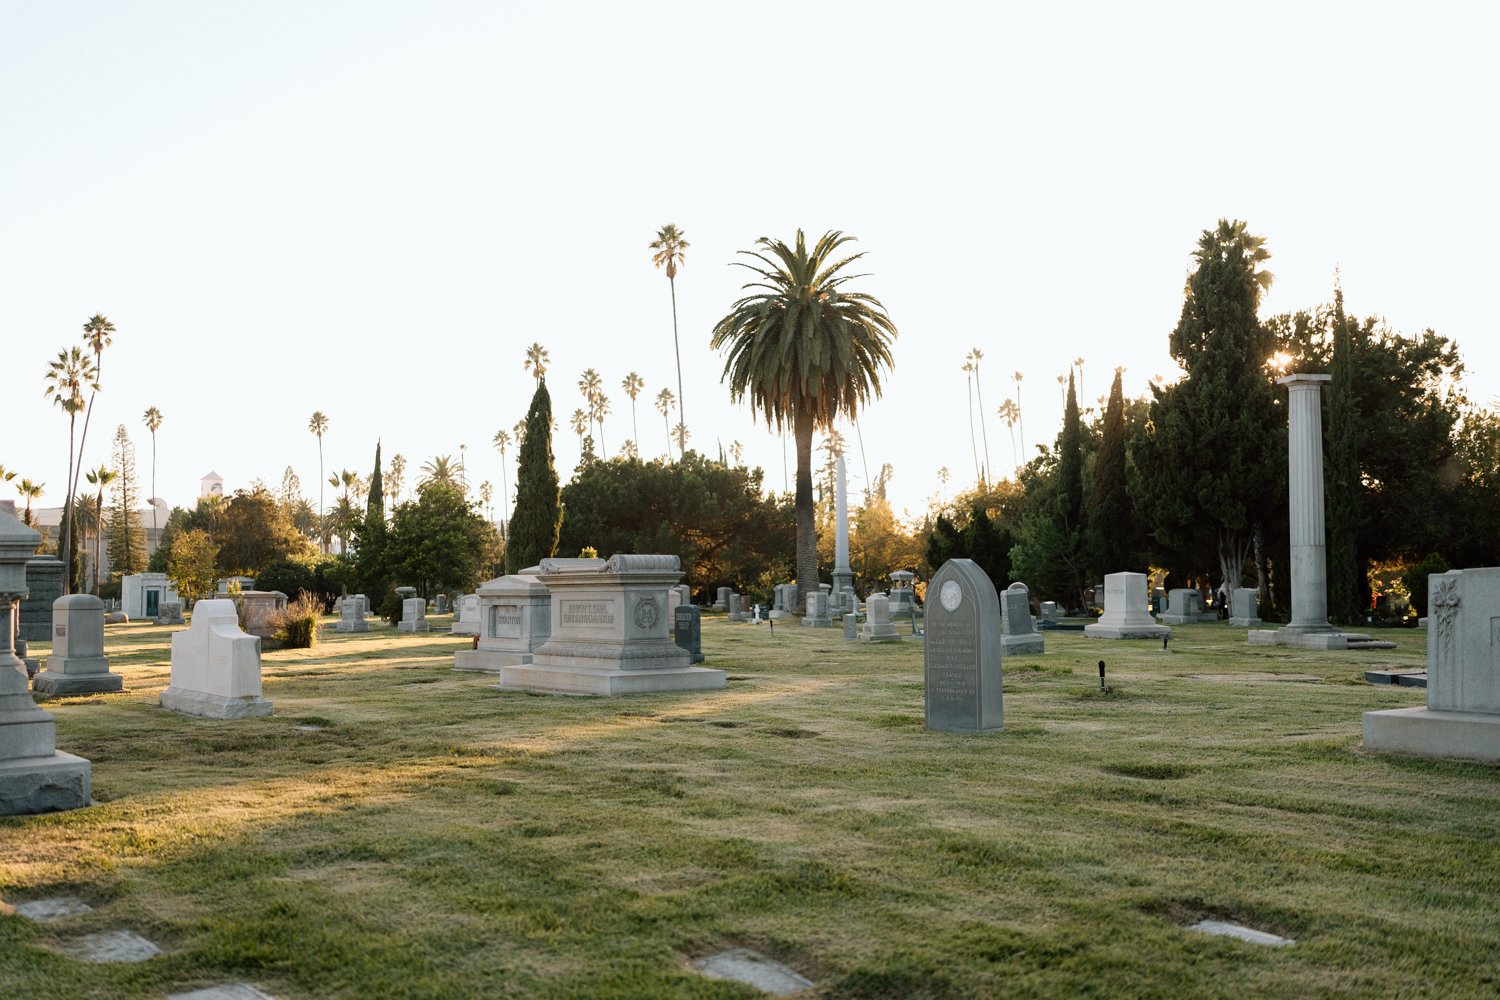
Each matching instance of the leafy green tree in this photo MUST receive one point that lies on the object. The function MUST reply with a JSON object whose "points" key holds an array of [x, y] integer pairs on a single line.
{"points": [[535, 526], [192, 563], [127, 535], [439, 542], [804, 350], [253, 531], [1050, 552], [1110, 528], [1211, 462], [371, 537], [1341, 476], [713, 517]]}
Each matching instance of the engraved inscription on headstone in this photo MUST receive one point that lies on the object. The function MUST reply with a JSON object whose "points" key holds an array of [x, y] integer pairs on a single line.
{"points": [[588, 613], [687, 630], [961, 657], [505, 621]]}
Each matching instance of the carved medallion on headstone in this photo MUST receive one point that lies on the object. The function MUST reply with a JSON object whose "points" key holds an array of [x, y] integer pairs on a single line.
{"points": [[646, 614]]}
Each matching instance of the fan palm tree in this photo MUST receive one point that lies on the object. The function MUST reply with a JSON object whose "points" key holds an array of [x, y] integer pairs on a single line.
{"points": [[664, 406], [1062, 389], [1008, 413], [501, 441], [486, 494], [6, 475], [98, 333], [598, 410], [29, 491], [536, 361], [804, 350], [681, 433], [1019, 421], [973, 442], [580, 425], [590, 384], [100, 477], [633, 385], [1078, 363], [318, 424], [395, 476], [670, 253], [152, 419], [520, 432], [975, 355], [66, 378], [737, 452]]}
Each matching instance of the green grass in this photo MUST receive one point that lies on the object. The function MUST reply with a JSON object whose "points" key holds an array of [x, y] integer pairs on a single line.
{"points": [[441, 838]]}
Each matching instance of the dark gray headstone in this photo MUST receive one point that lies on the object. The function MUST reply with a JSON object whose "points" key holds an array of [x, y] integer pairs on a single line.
{"points": [[961, 658], [44, 579], [687, 630]]}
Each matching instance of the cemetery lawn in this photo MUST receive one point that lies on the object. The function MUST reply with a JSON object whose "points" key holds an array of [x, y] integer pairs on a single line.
{"points": [[437, 837]]}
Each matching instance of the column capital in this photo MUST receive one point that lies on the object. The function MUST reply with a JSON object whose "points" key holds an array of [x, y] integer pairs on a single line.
{"points": [[1303, 380]]}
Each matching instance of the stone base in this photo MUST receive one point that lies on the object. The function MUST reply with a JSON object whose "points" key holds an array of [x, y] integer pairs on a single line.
{"points": [[1299, 639], [488, 661], [44, 784], [56, 682], [822, 622], [420, 626], [345, 625], [588, 680], [33, 665], [1244, 622], [739, 616], [215, 706], [1402, 678], [1099, 630], [1421, 731], [464, 628], [1190, 619], [885, 633], [1022, 645], [777, 615]]}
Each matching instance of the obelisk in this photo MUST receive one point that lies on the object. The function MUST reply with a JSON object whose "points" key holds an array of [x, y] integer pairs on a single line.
{"points": [[843, 576], [1304, 449]]}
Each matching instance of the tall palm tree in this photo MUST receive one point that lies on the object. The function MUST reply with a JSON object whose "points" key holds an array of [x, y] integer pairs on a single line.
{"points": [[98, 334], [580, 425], [664, 406], [1078, 363], [318, 424], [1019, 421], [395, 476], [805, 351], [520, 432], [100, 477], [737, 452], [598, 410], [501, 441], [670, 253], [681, 433], [976, 355], [973, 442], [66, 378], [633, 385], [486, 494], [589, 385], [152, 419], [29, 491], [536, 361], [1062, 389], [348, 480], [1008, 413]]}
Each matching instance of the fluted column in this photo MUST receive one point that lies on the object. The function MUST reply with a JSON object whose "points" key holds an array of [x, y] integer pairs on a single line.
{"points": [[1305, 501], [843, 576]]}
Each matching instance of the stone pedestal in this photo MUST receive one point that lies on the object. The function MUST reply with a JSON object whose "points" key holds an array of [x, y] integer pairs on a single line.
{"points": [[515, 618], [851, 626], [878, 627], [1462, 717], [35, 776], [413, 615], [1018, 634], [215, 666], [77, 664], [1244, 607], [1125, 613], [610, 631], [1050, 612]]}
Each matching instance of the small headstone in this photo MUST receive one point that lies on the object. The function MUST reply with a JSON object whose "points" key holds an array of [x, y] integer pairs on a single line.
{"points": [[170, 613], [741, 965], [215, 666], [117, 618], [961, 658], [851, 626], [1220, 928], [721, 602], [110, 946], [1018, 631], [466, 615], [441, 605], [1184, 607], [817, 611], [261, 609], [1244, 607], [413, 615], [1125, 613], [43, 910], [77, 664], [351, 616], [735, 614], [902, 596], [687, 630], [44, 585], [1050, 612], [878, 627]]}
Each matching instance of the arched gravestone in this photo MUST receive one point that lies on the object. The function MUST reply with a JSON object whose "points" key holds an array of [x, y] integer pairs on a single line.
{"points": [[961, 656]]}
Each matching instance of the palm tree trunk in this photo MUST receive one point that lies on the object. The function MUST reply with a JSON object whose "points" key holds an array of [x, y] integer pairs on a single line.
{"points": [[807, 538], [1019, 418], [862, 462], [155, 529], [973, 446], [99, 534], [635, 428], [668, 428], [983, 429], [65, 553], [681, 410], [322, 525]]}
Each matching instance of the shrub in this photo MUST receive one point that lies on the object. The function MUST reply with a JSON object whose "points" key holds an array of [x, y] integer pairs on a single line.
{"points": [[297, 625], [1415, 580]]}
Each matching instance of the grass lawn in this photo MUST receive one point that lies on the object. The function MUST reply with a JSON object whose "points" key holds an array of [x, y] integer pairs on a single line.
{"points": [[438, 837]]}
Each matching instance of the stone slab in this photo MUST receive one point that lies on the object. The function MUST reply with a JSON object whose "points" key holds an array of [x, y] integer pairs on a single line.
{"points": [[488, 661], [110, 946], [1300, 639], [50, 682], [1404, 678], [1428, 733], [741, 965], [1022, 645], [43, 910], [228, 991], [1221, 928], [1101, 631], [582, 680], [44, 784], [215, 706]]}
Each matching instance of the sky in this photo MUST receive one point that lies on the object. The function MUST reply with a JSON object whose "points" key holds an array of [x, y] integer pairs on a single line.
{"points": [[371, 209]]}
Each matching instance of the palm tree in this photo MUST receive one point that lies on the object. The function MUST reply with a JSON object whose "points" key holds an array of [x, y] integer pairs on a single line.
{"points": [[100, 477], [441, 470], [580, 424], [97, 335], [1019, 421], [1008, 413], [29, 491], [348, 480], [805, 351], [1062, 388], [664, 406], [520, 432], [1078, 363], [975, 356], [501, 441], [670, 250], [536, 361], [633, 385], [590, 384], [598, 410], [395, 476], [681, 433], [152, 419], [318, 424], [973, 443], [486, 494], [943, 475], [737, 452], [66, 379]]}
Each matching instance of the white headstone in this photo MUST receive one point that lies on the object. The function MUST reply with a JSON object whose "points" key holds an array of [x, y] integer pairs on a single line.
{"points": [[215, 666], [1125, 612]]}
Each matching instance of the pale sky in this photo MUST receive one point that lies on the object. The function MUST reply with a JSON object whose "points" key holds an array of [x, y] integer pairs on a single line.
{"points": [[370, 209]]}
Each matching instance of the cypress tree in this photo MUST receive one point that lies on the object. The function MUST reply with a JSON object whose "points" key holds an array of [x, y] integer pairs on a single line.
{"points": [[537, 521], [1070, 513], [1341, 474], [370, 539], [1109, 526], [375, 506]]}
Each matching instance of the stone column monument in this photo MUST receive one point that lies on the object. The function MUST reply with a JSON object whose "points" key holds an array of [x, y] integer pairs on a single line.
{"points": [[843, 576], [34, 775]]}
